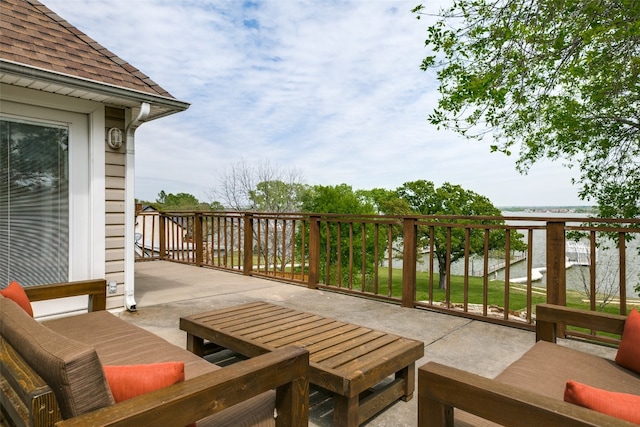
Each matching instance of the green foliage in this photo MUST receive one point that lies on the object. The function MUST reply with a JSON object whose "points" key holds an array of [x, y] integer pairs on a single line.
{"points": [[180, 201], [216, 206], [424, 198], [344, 265], [547, 78], [417, 197], [276, 196], [385, 201], [335, 199]]}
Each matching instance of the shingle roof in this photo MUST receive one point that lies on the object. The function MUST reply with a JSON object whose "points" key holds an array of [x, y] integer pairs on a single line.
{"points": [[33, 35]]}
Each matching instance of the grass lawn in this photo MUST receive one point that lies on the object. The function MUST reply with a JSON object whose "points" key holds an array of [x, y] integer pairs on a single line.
{"points": [[495, 291]]}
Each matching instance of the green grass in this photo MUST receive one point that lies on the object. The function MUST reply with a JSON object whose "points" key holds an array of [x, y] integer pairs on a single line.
{"points": [[495, 291]]}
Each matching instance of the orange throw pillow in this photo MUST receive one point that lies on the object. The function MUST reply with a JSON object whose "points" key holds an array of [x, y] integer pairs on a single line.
{"points": [[16, 293], [127, 381], [628, 354], [620, 405]]}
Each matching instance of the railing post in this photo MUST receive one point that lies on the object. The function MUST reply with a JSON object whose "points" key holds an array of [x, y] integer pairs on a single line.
{"points": [[247, 245], [556, 264], [162, 233], [409, 261], [314, 252], [197, 238]]}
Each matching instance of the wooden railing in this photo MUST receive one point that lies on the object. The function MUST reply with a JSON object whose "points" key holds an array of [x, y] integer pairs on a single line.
{"points": [[490, 265]]}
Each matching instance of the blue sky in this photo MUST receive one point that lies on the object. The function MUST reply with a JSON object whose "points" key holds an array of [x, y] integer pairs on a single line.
{"points": [[331, 88]]}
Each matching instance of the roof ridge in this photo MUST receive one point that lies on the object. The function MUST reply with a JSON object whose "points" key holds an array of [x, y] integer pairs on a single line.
{"points": [[93, 44]]}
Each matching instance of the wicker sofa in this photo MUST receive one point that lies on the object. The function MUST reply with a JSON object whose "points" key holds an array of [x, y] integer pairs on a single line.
{"points": [[52, 373], [530, 392]]}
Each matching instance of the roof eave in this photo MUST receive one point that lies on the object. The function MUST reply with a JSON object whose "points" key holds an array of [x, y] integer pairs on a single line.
{"points": [[161, 106]]}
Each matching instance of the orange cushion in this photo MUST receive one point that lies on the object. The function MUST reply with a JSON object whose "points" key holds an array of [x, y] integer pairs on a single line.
{"points": [[127, 381], [620, 405], [628, 354], [16, 293]]}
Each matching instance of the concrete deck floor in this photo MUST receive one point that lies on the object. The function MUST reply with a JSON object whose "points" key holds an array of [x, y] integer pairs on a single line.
{"points": [[167, 291]]}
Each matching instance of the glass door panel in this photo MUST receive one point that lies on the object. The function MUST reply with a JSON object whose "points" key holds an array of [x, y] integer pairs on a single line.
{"points": [[34, 202]]}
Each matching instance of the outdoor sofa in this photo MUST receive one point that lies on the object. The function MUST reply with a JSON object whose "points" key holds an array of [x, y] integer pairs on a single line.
{"points": [[52, 373], [530, 392]]}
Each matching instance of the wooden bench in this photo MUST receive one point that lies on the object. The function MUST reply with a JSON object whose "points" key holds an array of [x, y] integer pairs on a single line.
{"points": [[530, 391], [346, 359], [27, 400]]}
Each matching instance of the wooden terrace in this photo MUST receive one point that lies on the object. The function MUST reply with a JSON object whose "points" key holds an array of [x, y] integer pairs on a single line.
{"points": [[166, 291]]}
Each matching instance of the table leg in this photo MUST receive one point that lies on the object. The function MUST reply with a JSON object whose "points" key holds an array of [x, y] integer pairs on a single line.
{"points": [[195, 345], [408, 374], [346, 411]]}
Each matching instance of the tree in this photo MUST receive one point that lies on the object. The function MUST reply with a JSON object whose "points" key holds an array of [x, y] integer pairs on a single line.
{"points": [[385, 201], [180, 201], [276, 196], [260, 187], [425, 199], [341, 199], [161, 197], [546, 78], [216, 206], [335, 199], [263, 187]]}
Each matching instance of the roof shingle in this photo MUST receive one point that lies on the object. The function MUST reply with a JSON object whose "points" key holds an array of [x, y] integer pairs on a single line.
{"points": [[33, 35]]}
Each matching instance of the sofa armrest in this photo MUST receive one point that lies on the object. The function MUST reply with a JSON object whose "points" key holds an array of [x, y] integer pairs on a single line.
{"points": [[95, 289], [549, 316], [24, 396], [442, 388], [285, 370]]}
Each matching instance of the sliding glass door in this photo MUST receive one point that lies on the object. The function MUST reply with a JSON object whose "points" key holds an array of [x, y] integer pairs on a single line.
{"points": [[34, 201]]}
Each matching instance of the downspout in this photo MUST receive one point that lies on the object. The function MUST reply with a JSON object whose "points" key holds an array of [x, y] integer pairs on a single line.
{"points": [[129, 207]]}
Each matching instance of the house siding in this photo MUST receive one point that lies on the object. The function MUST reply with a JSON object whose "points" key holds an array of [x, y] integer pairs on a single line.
{"points": [[114, 208]]}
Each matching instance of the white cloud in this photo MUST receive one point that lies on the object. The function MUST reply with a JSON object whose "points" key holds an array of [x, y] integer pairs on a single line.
{"points": [[330, 87]]}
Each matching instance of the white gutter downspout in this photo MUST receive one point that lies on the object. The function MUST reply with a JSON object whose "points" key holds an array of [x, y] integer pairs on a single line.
{"points": [[129, 207]]}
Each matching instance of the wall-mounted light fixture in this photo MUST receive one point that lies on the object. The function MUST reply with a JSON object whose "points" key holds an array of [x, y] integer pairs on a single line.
{"points": [[114, 138]]}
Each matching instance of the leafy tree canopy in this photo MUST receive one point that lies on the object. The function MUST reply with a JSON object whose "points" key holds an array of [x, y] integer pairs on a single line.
{"points": [[449, 199], [335, 199], [385, 201], [342, 199], [423, 198], [276, 196], [180, 201], [547, 78], [216, 206]]}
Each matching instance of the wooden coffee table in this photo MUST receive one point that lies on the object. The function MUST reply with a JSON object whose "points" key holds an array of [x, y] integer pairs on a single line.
{"points": [[346, 359]]}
